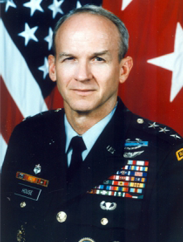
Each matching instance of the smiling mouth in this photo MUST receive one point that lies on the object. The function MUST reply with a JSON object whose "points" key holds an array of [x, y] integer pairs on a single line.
{"points": [[83, 92]]}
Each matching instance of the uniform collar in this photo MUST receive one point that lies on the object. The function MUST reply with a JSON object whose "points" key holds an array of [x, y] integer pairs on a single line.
{"points": [[90, 136]]}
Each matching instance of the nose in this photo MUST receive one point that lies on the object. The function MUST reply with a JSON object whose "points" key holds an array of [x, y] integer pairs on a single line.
{"points": [[83, 72]]}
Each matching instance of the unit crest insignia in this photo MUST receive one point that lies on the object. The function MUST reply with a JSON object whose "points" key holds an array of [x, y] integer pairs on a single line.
{"points": [[179, 154], [37, 169]]}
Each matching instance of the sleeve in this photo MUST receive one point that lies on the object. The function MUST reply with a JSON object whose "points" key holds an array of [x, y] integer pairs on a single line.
{"points": [[167, 200]]}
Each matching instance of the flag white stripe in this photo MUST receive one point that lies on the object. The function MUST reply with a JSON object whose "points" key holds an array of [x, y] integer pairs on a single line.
{"points": [[18, 78], [3, 146]]}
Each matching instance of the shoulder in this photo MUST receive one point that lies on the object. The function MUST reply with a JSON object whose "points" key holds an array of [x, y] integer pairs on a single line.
{"points": [[140, 127], [39, 123], [43, 118], [155, 132], [50, 114], [158, 140]]}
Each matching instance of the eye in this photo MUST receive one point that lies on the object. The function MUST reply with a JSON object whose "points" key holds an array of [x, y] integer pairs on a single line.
{"points": [[71, 58], [97, 58]]}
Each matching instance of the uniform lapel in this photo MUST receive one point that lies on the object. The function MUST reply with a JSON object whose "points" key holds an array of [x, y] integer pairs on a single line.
{"points": [[105, 158], [56, 155]]}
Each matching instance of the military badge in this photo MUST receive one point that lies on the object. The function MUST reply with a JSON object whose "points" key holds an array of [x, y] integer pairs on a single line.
{"points": [[108, 206], [32, 179], [133, 145], [179, 154], [37, 169], [132, 154]]}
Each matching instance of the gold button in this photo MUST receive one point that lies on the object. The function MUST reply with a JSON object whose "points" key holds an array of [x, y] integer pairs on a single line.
{"points": [[23, 204], [140, 121], [86, 240], [104, 221], [61, 217]]}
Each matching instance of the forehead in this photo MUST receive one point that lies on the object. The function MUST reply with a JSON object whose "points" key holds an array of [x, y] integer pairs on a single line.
{"points": [[84, 27]]}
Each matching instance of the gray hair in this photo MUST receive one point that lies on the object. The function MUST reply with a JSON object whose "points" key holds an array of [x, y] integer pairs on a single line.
{"points": [[96, 10]]}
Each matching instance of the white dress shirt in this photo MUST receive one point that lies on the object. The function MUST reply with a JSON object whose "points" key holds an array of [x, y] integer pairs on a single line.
{"points": [[89, 137]]}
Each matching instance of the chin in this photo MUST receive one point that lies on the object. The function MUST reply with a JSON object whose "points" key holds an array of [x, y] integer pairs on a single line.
{"points": [[82, 109], [81, 105]]}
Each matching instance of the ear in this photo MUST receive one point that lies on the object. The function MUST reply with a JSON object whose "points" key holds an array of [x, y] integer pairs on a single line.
{"points": [[52, 70], [126, 66]]}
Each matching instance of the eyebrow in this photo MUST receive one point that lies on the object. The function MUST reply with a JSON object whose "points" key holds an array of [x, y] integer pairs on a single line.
{"points": [[104, 52], [63, 54]]}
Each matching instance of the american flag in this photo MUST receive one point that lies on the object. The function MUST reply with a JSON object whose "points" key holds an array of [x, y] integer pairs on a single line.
{"points": [[26, 31], [153, 90]]}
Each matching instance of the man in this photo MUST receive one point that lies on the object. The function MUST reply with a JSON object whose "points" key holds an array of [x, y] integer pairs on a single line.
{"points": [[128, 185]]}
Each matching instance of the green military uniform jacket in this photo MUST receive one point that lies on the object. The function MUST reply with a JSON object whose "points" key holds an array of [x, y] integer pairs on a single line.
{"points": [[129, 188]]}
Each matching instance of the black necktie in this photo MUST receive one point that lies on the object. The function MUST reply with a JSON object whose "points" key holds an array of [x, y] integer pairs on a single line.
{"points": [[78, 146]]}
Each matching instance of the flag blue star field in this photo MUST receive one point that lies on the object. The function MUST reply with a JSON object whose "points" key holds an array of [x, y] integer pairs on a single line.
{"points": [[153, 89]]}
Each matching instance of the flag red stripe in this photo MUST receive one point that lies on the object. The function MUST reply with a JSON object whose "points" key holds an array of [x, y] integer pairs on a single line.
{"points": [[54, 100], [10, 113]]}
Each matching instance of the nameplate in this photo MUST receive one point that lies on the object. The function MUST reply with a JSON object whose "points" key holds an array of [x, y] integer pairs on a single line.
{"points": [[29, 192]]}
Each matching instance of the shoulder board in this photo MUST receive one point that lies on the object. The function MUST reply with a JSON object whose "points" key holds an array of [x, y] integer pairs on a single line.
{"points": [[42, 114], [157, 129]]}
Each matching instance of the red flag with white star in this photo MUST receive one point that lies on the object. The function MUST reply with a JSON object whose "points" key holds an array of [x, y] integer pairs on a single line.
{"points": [[155, 86]]}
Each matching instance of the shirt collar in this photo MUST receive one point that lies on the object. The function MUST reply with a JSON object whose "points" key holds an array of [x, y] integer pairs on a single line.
{"points": [[91, 135]]}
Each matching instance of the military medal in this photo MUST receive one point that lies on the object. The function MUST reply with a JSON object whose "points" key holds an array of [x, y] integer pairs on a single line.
{"points": [[32, 179], [128, 182], [37, 169]]}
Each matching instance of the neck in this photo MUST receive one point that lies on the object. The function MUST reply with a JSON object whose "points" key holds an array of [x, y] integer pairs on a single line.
{"points": [[82, 121]]}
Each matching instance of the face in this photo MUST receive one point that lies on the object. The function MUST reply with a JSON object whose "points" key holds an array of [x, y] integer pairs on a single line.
{"points": [[86, 66]]}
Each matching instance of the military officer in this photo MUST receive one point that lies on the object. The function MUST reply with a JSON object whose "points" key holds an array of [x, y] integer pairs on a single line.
{"points": [[93, 171]]}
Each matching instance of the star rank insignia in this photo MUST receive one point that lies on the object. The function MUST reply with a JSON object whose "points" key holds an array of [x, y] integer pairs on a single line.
{"points": [[175, 136], [153, 125], [164, 130], [58, 110]]}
